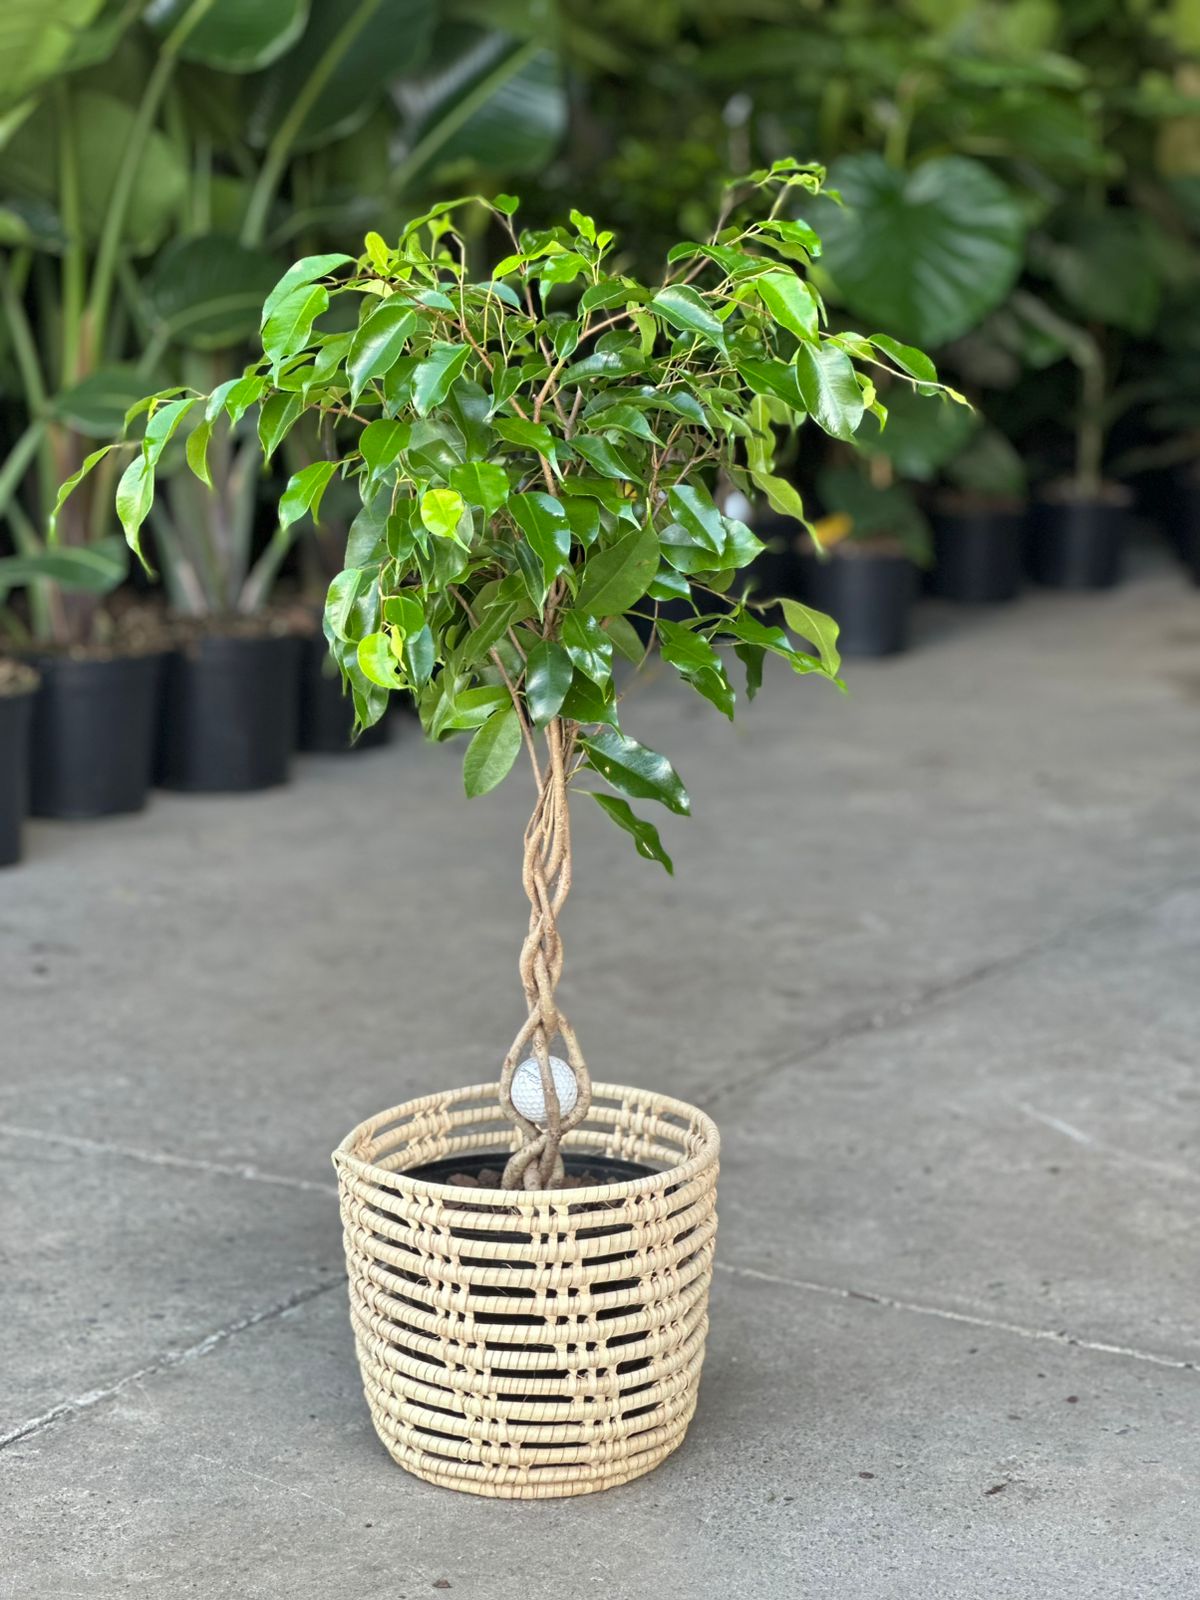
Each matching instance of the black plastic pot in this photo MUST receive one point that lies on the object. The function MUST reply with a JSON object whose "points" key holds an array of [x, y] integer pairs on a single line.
{"points": [[776, 571], [1182, 517], [229, 714], [16, 718], [868, 593], [1077, 544], [977, 553], [93, 735], [326, 714]]}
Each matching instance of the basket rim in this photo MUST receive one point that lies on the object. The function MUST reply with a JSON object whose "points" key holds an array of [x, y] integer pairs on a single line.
{"points": [[450, 1193]]}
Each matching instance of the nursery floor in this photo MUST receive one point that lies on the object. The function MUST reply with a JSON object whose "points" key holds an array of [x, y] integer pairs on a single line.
{"points": [[932, 956]]}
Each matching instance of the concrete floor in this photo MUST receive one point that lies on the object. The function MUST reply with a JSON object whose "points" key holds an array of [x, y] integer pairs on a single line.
{"points": [[932, 957]]}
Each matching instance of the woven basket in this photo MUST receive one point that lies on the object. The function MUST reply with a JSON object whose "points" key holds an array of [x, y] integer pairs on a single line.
{"points": [[538, 1343]]}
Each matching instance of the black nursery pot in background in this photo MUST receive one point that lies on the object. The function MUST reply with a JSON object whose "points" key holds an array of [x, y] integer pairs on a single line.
{"points": [[326, 714], [93, 735], [977, 552], [1078, 544], [1181, 515], [868, 592], [16, 716], [229, 713]]}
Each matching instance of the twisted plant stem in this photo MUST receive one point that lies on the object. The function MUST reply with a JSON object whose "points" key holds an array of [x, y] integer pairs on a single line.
{"points": [[546, 876]]}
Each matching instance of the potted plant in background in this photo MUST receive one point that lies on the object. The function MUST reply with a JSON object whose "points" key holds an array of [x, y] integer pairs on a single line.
{"points": [[535, 451], [871, 545], [154, 162], [1104, 265], [18, 684], [978, 514]]}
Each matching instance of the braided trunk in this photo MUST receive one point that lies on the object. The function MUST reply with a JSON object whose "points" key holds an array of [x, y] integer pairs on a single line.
{"points": [[546, 875]]}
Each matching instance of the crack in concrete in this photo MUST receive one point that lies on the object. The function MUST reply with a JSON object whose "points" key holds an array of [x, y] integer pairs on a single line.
{"points": [[78, 1404], [970, 1319], [925, 999], [163, 1158]]}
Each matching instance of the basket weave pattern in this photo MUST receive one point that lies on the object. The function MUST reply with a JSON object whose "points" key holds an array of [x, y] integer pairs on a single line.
{"points": [[528, 1344]]}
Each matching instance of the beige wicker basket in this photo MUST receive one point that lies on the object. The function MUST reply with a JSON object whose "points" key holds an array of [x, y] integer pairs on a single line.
{"points": [[528, 1344]]}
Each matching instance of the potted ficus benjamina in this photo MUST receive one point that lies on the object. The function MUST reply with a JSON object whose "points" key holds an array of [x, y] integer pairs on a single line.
{"points": [[535, 450]]}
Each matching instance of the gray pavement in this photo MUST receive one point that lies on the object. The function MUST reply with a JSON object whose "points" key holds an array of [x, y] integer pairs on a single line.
{"points": [[932, 958]]}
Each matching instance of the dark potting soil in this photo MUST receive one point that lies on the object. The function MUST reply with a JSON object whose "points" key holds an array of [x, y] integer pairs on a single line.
{"points": [[486, 1171]]}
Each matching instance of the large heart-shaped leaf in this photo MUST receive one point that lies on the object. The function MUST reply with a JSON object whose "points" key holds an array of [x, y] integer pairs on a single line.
{"points": [[235, 35], [95, 568], [97, 404], [1106, 265], [206, 292], [392, 42], [487, 98], [29, 165], [36, 38], [924, 254]]}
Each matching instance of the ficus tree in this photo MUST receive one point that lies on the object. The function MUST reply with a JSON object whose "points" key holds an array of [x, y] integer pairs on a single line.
{"points": [[537, 454]]}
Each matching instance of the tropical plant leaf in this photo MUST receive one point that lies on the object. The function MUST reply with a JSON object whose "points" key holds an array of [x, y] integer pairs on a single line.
{"points": [[926, 254]]}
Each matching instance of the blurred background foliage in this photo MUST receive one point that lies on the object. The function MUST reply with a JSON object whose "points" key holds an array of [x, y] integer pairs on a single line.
{"points": [[1021, 184]]}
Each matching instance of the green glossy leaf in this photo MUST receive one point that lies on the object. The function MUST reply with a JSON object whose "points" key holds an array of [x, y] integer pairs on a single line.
{"points": [[683, 648], [377, 663], [625, 638], [196, 450], [69, 485], [441, 512], [548, 674], [616, 578], [305, 271], [343, 601], [588, 646], [830, 388], [790, 302], [435, 375], [683, 308], [777, 379], [604, 457], [304, 492], [289, 326], [404, 612], [163, 424], [420, 654], [378, 344], [820, 631], [544, 522], [692, 507], [782, 496], [644, 834], [481, 483], [381, 443], [276, 418], [533, 435], [589, 704], [135, 496], [925, 254], [636, 771], [915, 362], [491, 752]]}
